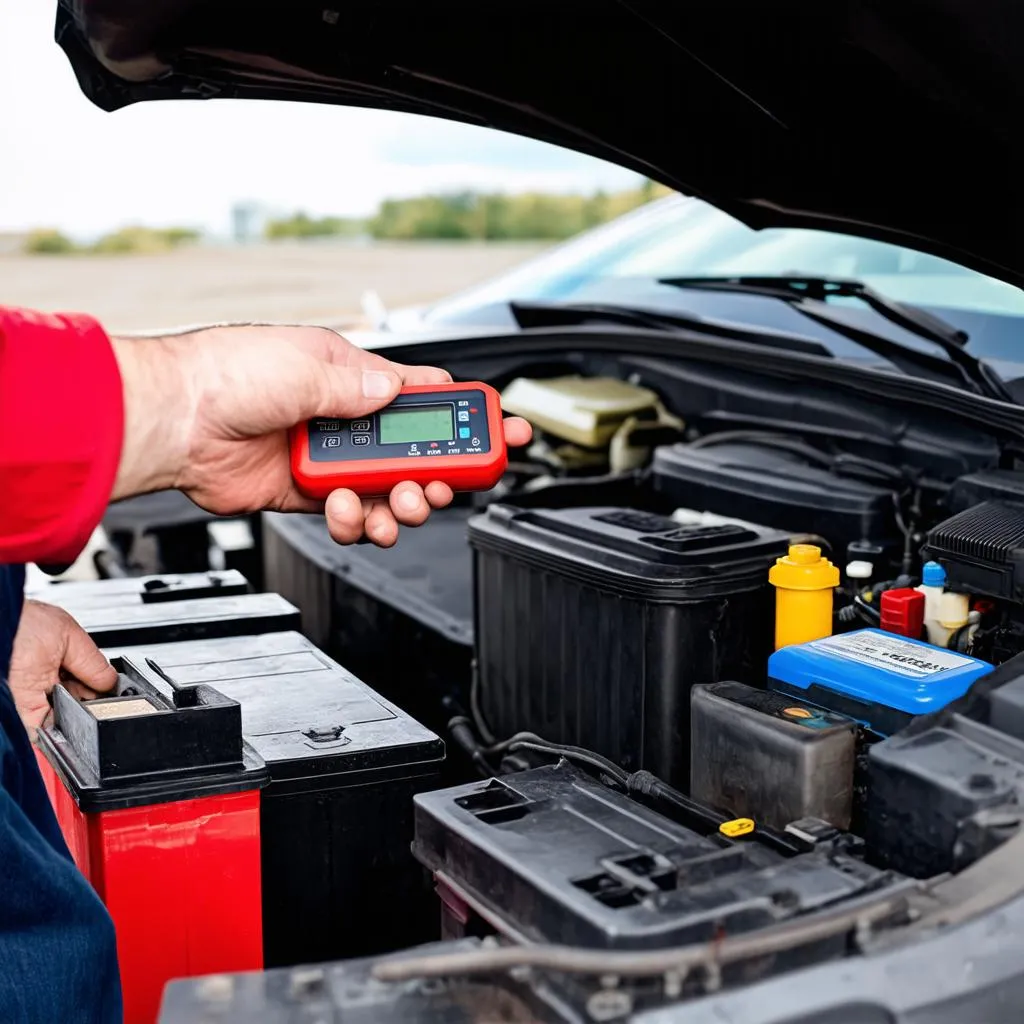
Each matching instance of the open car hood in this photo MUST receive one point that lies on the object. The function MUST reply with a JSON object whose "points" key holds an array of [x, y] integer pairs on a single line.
{"points": [[900, 121]]}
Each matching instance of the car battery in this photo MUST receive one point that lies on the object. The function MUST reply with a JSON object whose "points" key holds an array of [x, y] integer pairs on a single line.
{"points": [[876, 678], [120, 590], [593, 623], [767, 756], [552, 855], [154, 609], [336, 815], [158, 799], [401, 618]]}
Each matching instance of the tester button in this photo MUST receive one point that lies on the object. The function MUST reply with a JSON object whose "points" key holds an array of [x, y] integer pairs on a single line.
{"points": [[361, 439], [464, 431], [360, 424]]}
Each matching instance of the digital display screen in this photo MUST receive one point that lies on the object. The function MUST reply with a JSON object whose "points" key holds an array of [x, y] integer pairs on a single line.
{"points": [[417, 423]]}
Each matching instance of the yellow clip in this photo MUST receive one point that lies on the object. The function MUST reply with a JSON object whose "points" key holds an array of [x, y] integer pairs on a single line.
{"points": [[737, 827], [797, 713]]}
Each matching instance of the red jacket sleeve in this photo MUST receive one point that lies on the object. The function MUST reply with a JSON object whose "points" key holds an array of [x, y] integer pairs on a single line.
{"points": [[61, 424]]}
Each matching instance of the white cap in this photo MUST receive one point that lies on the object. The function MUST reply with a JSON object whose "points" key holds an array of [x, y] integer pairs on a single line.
{"points": [[859, 570]]}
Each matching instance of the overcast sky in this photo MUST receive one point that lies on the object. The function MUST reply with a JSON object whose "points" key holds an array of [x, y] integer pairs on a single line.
{"points": [[67, 164]]}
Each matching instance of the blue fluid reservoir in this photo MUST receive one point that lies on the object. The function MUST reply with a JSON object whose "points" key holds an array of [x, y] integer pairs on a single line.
{"points": [[879, 679]]}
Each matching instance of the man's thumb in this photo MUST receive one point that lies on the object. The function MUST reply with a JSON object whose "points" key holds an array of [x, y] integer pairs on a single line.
{"points": [[84, 661], [352, 391]]}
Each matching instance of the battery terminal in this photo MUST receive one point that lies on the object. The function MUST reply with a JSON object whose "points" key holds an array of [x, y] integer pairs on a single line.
{"points": [[325, 734]]}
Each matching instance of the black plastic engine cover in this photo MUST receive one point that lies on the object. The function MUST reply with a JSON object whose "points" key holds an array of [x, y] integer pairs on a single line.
{"points": [[776, 488], [982, 550]]}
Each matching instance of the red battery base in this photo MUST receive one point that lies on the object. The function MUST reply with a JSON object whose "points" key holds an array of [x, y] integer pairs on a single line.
{"points": [[181, 881], [175, 857]]}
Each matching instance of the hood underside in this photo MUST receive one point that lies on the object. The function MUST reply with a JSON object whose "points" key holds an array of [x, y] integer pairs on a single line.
{"points": [[894, 120]]}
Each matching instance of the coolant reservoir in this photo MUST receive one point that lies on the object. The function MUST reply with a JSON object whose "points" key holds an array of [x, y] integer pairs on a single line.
{"points": [[954, 614], [804, 582], [944, 611], [582, 410]]}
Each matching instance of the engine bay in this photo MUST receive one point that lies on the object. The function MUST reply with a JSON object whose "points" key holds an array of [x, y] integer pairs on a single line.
{"points": [[728, 677]]}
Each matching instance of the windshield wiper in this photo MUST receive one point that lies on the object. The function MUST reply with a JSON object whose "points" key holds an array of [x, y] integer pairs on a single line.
{"points": [[571, 314], [807, 296]]}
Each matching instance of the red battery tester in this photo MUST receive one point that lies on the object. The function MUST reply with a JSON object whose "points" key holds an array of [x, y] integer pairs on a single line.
{"points": [[447, 432]]}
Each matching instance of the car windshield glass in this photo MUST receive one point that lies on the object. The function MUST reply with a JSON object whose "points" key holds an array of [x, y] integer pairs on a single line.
{"points": [[685, 238]]}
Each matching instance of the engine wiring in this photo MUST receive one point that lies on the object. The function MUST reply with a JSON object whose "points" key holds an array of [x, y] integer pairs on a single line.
{"points": [[461, 728], [642, 784]]}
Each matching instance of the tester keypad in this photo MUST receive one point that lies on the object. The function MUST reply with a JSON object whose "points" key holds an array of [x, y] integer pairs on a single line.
{"points": [[451, 423]]}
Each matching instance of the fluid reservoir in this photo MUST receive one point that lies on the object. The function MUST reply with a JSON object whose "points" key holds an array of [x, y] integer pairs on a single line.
{"points": [[804, 582], [945, 612]]}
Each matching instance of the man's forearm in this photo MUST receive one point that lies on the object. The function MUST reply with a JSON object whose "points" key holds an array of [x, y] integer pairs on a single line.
{"points": [[159, 402]]}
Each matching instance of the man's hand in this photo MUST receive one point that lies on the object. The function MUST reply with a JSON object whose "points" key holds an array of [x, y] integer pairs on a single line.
{"points": [[48, 647], [208, 413]]}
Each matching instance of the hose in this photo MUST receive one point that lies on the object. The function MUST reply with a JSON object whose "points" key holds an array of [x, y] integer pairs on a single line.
{"points": [[907, 531], [961, 639], [710, 956], [867, 611], [461, 730], [858, 608], [843, 461], [474, 706], [779, 441]]}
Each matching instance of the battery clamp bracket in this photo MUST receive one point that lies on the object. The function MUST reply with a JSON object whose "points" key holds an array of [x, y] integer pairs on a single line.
{"points": [[141, 730]]}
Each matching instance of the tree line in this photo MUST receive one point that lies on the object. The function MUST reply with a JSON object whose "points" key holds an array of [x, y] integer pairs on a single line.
{"points": [[460, 216], [50, 242], [479, 216]]}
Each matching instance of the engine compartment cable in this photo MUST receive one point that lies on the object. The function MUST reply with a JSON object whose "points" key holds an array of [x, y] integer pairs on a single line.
{"points": [[711, 956]]}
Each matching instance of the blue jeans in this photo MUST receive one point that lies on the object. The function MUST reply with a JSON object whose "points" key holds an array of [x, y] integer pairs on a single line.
{"points": [[58, 957]]}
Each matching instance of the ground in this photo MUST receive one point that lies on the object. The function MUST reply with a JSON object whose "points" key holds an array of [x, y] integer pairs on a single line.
{"points": [[296, 282]]}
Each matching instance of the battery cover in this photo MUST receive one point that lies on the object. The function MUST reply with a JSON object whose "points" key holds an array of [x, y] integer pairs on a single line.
{"points": [[876, 670]]}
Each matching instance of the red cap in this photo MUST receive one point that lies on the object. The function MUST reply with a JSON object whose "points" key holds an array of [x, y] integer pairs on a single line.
{"points": [[903, 612]]}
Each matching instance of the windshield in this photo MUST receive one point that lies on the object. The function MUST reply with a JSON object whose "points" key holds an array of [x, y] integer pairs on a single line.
{"points": [[679, 237]]}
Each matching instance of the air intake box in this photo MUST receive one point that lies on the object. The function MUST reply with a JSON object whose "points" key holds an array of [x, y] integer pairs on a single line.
{"points": [[982, 550], [777, 488]]}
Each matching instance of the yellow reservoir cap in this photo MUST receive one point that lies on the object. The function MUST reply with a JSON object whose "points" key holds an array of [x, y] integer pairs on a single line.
{"points": [[804, 569], [804, 582]]}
